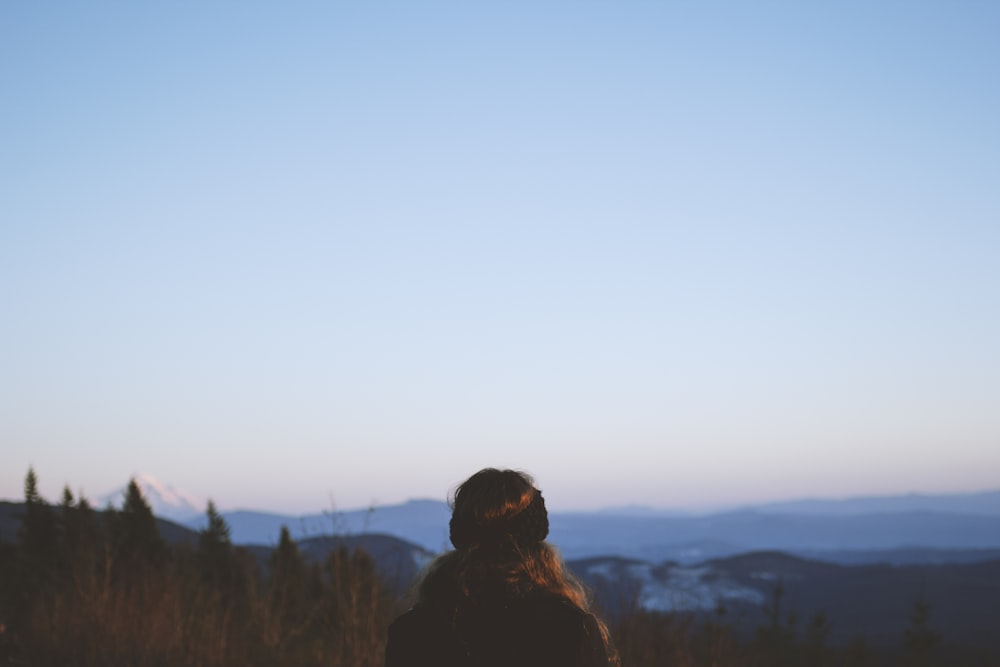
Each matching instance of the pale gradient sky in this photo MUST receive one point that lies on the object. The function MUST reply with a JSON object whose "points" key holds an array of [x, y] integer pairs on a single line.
{"points": [[295, 255]]}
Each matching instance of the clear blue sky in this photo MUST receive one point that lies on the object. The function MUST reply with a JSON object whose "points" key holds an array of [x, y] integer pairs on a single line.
{"points": [[295, 255]]}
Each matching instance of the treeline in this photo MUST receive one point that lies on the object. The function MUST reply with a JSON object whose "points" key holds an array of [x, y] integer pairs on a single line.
{"points": [[82, 587], [86, 587], [781, 639]]}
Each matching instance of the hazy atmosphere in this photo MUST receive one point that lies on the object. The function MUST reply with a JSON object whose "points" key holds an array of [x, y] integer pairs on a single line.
{"points": [[684, 255]]}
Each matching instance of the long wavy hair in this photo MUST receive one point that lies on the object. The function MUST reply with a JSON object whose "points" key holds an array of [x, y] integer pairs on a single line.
{"points": [[498, 527]]}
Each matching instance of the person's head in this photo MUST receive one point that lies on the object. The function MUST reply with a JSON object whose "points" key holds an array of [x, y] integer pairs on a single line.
{"points": [[496, 509], [498, 526]]}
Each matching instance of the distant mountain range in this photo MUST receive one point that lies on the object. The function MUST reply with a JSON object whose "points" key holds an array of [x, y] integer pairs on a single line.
{"points": [[177, 505], [692, 539], [985, 503], [870, 599], [913, 528], [423, 522], [901, 530]]}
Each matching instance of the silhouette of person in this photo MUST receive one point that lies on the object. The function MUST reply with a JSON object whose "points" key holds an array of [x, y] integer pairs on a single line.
{"points": [[502, 597]]}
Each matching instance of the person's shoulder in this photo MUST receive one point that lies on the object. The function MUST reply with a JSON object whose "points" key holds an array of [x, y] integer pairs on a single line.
{"points": [[563, 633], [419, 619], [557, 612], [421, 636]]}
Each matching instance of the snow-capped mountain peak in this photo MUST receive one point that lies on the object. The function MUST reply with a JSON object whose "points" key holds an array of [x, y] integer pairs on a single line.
{"points": [[166, 501]]}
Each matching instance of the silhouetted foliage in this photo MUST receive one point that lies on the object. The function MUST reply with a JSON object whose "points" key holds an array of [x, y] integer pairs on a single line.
{"points": [[717, 644], [921, 640], [292, 601], [775, 639], [90, 589], [814, 650], [38, 534], [87, 588], [135, 538], [216, 557]]}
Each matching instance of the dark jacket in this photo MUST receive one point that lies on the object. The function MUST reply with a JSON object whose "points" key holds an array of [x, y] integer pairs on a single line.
{"points": [[529, 632]]}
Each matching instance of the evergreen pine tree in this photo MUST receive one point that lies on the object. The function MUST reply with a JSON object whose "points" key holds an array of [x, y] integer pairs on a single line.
{"points": [[215, 551], [67, 499], [38, 535], [81, 536], [67, 521], [286, 562], [287, 584], [136, 541], [33, 576]]}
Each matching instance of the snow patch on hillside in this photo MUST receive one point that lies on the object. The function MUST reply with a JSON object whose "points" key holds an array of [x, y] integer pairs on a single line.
{"points": [[675, 588]]}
